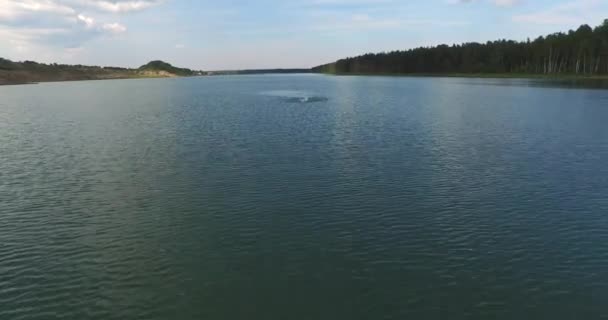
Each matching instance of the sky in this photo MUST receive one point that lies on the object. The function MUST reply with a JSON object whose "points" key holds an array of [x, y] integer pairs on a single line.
{"points": [[241, 34]]}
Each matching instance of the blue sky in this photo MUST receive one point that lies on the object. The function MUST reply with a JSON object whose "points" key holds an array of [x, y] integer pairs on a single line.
{"points": [[235, 34]]}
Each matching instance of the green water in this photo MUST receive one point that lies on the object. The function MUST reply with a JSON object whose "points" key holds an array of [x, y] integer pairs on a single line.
{"points": [[303, 197]]}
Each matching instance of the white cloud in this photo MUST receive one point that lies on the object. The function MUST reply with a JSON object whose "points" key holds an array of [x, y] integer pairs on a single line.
{"points": [[88, 21], [505, 3], [13, 10], [569, 13], [114, 28], [66, 23], [115, 6]]}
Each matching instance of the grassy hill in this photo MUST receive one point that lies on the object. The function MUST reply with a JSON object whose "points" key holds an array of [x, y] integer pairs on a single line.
{"points": [[30, 72], [163, 67]]}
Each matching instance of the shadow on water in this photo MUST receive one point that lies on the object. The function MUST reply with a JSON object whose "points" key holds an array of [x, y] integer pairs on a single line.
{"points": [[582, 83], [542, 83]]}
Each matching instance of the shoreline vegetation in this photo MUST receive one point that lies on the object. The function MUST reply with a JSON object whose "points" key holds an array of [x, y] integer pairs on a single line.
{"points": [[577, 54], [478, 75], [30, 72], [580, 54]]}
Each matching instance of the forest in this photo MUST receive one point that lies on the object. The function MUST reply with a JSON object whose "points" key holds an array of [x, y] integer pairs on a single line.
{"points": [[583, 52]]}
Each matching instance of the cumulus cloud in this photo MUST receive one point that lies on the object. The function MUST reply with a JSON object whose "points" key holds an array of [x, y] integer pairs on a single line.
{"points": [[64, 23], [12, 11], [115, 6], [87, 21]]}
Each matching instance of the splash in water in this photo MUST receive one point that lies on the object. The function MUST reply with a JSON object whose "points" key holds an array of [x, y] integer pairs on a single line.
{"points": [[295, 96]]}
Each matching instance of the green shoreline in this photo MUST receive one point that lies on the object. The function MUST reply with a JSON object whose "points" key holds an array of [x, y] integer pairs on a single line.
{"points": [[30, 72], [20, 83], [552, 77], [478, 75]]}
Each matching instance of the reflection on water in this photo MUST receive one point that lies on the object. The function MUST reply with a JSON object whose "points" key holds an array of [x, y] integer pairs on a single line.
{"points": [[574, 83]]}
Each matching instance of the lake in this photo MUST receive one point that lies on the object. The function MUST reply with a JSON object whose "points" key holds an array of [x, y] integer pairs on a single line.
{"points": [[303, 197]]}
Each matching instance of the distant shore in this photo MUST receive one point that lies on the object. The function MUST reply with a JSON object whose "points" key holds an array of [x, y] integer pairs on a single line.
{"points": [[89, 78], [38, 80], [30, 72], [22, 78], [479, 75]]}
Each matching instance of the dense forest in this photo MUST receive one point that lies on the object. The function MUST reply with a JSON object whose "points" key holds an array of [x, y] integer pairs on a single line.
{"points": [[578, 52]]}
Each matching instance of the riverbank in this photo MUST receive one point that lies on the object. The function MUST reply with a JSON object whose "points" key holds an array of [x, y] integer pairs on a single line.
{"points": [[480, 75], [28, 72], [3, 82]]}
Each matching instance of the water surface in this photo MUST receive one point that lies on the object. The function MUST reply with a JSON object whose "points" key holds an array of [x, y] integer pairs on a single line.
{"points": [[303, 197]]}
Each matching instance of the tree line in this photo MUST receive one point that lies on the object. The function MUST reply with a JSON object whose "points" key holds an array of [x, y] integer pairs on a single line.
{"points": [[582, 52]]}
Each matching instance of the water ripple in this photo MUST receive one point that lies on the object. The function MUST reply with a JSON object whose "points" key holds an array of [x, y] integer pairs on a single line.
{"points": [[400, 198]]}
